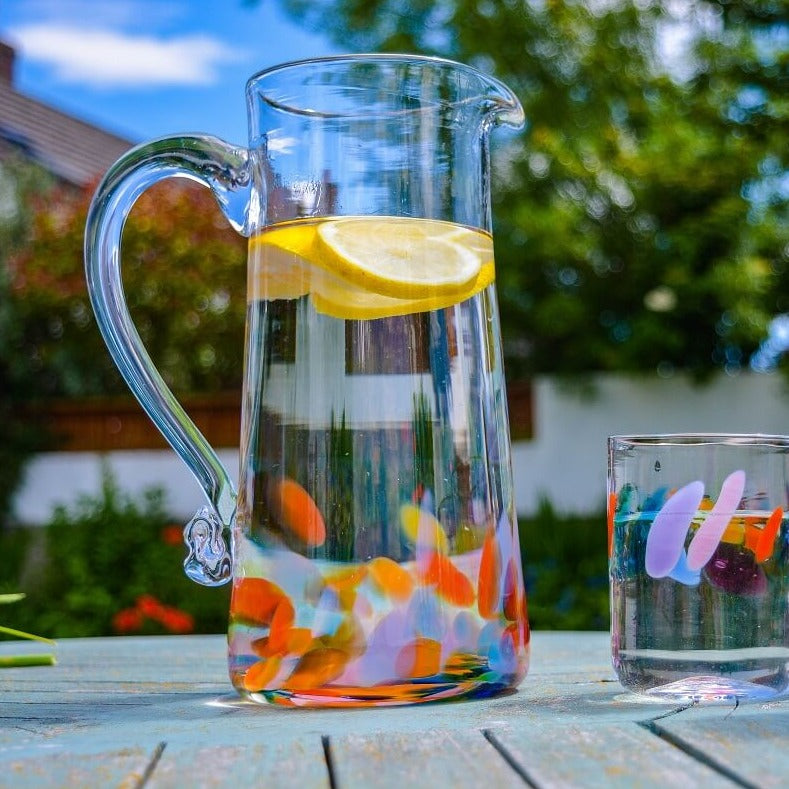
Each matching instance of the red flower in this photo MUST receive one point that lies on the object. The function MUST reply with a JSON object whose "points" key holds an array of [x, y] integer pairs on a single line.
{"points": [[127, 620], [172, 534], [149, 606], [176, 621]]}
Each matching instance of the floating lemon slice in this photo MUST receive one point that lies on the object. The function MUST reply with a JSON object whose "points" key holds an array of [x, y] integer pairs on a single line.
{"points": [[339, 298], [293, 259], [279, 262], [274, 274], [400, 257]]}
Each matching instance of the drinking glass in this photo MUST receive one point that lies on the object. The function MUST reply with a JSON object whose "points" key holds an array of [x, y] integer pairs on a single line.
{"points": [[699, 565]]}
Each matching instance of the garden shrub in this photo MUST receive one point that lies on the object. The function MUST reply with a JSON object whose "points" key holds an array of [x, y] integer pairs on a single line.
{"points": [[565, 561], [113, 566]]}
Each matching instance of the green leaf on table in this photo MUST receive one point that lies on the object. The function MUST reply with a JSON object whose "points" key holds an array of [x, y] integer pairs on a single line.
{"points": [[13, 597], [16, 661], [19, 661], [21, 634]]}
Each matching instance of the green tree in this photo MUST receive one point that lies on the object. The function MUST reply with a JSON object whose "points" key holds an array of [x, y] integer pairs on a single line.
{"points": [[184, 275], [185, 282], [20, 381], [641, 218]]}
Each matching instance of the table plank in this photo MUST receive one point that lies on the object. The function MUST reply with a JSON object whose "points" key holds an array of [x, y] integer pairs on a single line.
{"points": [[122, 768], [615, 755], [394, 760], [750, 742], [298, 764]]}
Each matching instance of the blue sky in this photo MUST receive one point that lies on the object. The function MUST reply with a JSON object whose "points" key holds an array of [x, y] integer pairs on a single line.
{"points": [[145, 68]]}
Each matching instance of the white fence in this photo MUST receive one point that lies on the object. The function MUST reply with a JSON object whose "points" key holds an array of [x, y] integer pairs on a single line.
{"points": [[565, 462]]}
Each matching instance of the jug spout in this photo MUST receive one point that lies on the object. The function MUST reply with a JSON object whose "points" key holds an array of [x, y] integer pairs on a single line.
{"points": [[500, 105]]}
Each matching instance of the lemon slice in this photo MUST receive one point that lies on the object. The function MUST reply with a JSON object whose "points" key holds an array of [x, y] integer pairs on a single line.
{"points": [[290, 260], [400, 257], [339, 298], [279, 266]]}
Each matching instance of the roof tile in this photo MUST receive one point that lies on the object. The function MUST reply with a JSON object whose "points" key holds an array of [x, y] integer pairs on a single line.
{"points": [[70, 148]]}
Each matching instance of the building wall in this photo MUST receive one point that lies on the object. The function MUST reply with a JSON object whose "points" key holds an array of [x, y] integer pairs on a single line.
{"points": [[564, 462]]}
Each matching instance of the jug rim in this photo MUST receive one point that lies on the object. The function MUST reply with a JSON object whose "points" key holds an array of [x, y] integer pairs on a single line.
{"points": [[498, 93], [368, 56]]}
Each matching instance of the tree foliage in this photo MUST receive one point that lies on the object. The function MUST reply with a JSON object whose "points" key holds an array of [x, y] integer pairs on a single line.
{"points": [[19, 380], [641, 218], [184, 281]]}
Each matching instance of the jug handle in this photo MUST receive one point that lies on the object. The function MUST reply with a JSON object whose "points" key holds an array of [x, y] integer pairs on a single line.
{"points": [[226, 171]]}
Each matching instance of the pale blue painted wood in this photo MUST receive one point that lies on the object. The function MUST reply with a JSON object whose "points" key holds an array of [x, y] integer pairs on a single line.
{"points": [[459, 759], [120, 768], [615, 755], [299, 763], [752, 742], [111, 705]]}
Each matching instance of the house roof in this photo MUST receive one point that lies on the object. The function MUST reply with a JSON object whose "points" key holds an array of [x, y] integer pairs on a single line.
{"points": [[71, 149]]}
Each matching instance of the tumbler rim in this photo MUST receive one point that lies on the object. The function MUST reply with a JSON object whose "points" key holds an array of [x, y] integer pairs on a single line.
{"points": [[700, 439]]}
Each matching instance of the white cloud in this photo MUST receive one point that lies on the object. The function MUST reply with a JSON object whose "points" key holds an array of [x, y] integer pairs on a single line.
{"points": [[113, 59]]}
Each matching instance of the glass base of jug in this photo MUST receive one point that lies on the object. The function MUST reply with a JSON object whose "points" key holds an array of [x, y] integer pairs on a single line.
{"points": [[381, 696]]}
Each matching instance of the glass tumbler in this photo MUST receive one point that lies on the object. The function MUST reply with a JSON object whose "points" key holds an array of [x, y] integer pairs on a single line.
{"points": [[699, 565]]}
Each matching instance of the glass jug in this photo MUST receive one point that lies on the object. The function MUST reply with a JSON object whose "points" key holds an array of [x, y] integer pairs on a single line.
{"points": [[374, 549]]}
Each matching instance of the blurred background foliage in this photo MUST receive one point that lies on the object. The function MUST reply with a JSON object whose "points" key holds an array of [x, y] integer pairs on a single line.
{"points": [[19, 182], [184, 273], [109, 565], [641, 219]]}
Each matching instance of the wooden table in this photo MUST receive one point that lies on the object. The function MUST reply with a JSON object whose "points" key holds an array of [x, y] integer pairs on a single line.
{"points": [[159, 712]]}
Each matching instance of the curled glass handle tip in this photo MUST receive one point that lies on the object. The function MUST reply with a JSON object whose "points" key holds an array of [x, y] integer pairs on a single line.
{"points": [[208, 561]]}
